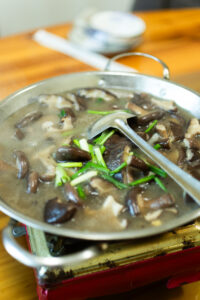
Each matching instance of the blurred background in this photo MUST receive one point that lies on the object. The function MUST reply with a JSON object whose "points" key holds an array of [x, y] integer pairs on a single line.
{"points": [[22, 15]]}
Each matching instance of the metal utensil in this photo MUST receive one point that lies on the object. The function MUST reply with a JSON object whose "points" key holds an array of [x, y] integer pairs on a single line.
{"points": [[119, 120]]}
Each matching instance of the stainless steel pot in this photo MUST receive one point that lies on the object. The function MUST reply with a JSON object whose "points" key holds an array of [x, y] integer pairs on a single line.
{"points": [[162, 88]]}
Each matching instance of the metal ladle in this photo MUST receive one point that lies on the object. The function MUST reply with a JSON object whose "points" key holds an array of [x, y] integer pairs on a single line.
{"points": [[119, 120]]}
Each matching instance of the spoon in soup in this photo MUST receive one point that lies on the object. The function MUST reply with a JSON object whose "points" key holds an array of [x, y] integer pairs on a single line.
{"points": [[118, 120]]}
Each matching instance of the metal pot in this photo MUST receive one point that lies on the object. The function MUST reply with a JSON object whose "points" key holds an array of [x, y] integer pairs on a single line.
{"points": [[162, 88]]}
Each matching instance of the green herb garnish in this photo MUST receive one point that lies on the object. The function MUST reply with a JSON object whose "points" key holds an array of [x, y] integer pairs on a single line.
{"points": [[151, 126], [157, 146], [124, 164], [99, 156], [117, 183], [160, 183], [71, 164], [81, 192], [62, 113], [142, 180], [157, 170], [108, 112], [104, 137], [61, 176]]}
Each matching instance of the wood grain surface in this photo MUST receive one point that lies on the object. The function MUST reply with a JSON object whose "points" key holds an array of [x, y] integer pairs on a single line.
{"points": [[173, 36]]}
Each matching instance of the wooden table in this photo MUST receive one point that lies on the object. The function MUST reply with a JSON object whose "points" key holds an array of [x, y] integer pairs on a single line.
{"points": [[173, 36]]}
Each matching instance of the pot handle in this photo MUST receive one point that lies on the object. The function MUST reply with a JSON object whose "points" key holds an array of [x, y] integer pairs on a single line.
{"points": [[165, 67], [31, 260]]}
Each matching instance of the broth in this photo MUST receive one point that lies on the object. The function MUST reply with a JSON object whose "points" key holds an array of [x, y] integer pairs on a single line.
{"points": [[108, 200]]}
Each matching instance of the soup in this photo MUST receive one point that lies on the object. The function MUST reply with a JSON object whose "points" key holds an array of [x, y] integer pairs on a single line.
{"points": [[50, 171]]}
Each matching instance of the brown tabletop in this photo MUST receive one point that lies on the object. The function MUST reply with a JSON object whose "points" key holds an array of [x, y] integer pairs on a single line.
{"points": [[173, 36]]}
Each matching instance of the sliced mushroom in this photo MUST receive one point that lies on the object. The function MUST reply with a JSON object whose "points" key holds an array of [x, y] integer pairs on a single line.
{"points": [[138, 163], [33, 182], [71, 153], [19, 134], [56, 211], [147, 118], [22, 164], [161, 202], [45, 157], [131, 201], [116, 146], [71, 194], [54, 101], [193, 129], [47, 177], [97, 93], [111, 205], [101, 185], [28, 119], [79, 103], [164, 104], [136, 109]]}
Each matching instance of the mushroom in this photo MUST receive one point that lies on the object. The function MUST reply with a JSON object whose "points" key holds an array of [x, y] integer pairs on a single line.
{"points": [[131, 201], [22, 164], [56, 211], [136, 109], [164, 104], [33, 182], [19, 134], [71, 194], [45, 156], [101, 185], [147, 118], [28, 119], [97, 93], [193, 129], [71, 153], [53, 101], [78, 102]]}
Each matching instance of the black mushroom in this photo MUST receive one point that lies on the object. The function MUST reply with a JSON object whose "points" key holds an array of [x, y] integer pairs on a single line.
{"points": [[115, 147], [131, 201], [19, 134], [89, 93], [71, 194], [138, 163], [47, 177], [56, 211], [33, 182], [22, 164], [29, 118], [79, 103], [71, 153], [136, 204], [147, 118]]}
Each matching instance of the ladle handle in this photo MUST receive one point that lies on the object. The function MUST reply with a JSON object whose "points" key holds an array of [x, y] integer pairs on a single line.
{"points": [[165, 67], [31, 260], [183, 179]]}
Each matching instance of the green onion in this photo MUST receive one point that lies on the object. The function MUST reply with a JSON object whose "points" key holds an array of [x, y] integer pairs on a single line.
{"points": [[103, 137], [71, 164], [151, 126], [161, 185], [99, 156], [83, 177], [99, 100], [117, 183], [81, 192], [142, 180], [90, 165], [157, 146], [124, 164], [61, 176], [84, 145], [157, 170], [62, 114], [91, 150], [108, 112], [76, 142], [102, 148]]}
